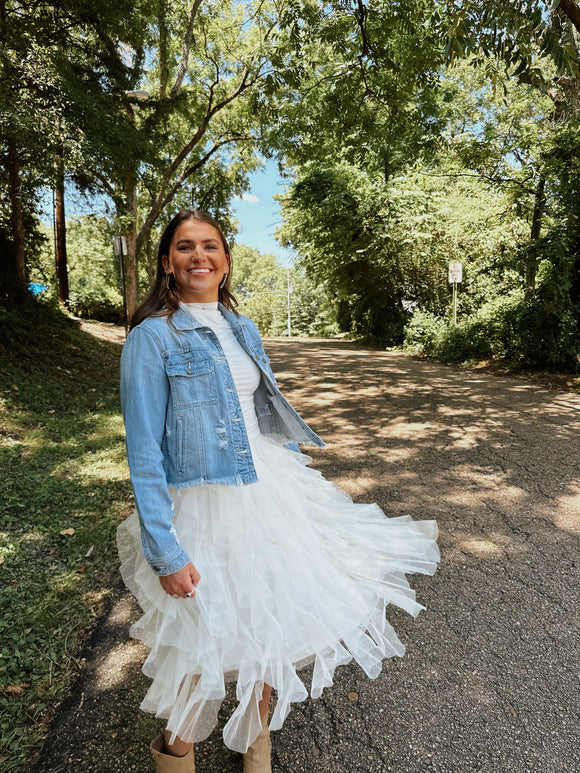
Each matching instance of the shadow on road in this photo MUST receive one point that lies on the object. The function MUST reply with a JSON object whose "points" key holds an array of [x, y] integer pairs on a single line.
{"points": [[489, 679]]}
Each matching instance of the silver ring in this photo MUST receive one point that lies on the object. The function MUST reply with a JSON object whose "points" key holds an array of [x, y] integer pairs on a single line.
{"points": [[190, 594]]}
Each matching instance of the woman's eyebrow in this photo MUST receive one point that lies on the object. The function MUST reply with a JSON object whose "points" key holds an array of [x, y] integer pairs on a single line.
{"points": [[203, 241]]}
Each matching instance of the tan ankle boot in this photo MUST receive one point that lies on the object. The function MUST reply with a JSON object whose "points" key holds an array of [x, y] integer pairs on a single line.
{"points": [[258, 758], [167, 763]]}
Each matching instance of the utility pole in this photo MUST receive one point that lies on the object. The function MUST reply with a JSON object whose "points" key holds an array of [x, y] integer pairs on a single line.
{"points": [[289, 291]]}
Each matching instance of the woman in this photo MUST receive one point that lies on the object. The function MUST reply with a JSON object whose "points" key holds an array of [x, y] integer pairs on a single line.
{"points": [[247, 563]]}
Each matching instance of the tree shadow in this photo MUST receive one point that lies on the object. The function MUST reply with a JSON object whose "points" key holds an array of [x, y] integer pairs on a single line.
{"points": [[487, 682]]}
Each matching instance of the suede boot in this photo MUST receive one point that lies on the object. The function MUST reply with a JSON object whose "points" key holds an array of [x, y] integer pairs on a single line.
{"points": [[258, 758], [167, 763]]}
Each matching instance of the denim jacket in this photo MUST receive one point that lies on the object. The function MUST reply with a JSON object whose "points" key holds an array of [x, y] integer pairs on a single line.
{"points": [[183, 420]]}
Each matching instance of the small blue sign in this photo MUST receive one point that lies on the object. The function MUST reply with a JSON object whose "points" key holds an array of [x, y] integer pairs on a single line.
{"points": [[37, 288]]}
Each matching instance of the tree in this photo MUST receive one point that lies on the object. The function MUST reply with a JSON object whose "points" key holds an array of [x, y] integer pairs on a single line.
{"points": [[210, 63], [517, 34], [68, 62], [498, 129], [93, 270], [365, 82], [260, 283], [342, 224]]}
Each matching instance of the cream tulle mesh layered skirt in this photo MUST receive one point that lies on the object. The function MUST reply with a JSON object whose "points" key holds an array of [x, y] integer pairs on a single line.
{"points": [[292, 573]]}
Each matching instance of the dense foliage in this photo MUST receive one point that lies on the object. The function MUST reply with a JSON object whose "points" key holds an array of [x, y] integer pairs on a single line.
{"points": [[157, 105], [498, 194]]}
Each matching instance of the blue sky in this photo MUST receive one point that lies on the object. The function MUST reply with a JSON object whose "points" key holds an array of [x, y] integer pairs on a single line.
{"points": [[258, 213]]}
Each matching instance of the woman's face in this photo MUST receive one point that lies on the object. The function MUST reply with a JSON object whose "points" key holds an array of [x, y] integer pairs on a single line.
{"points": [[198, 261]]}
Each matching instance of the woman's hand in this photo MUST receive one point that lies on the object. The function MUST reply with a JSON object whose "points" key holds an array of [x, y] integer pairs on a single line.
{"points": [[181, 583]]}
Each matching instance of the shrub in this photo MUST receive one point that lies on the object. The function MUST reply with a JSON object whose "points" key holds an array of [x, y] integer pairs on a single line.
{"points": [[523, 329], [423, 332], [96, 301]]}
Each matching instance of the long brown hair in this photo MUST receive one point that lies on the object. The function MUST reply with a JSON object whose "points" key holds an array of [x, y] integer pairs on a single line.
{"points": [[163, 299]]}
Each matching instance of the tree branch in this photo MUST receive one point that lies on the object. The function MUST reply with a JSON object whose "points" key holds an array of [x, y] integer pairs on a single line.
{"points": [[166, 195], [107, 185], [163, 65], [185, 50], [211, 111], [572, 11], [483, 176], [324, 78], [361, 18]]}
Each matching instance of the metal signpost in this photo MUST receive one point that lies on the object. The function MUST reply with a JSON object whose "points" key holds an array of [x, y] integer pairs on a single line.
{"points": [[455, 276], [120, 250]]}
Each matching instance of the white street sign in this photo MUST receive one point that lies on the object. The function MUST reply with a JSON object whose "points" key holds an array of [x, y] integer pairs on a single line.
{"points": [[455, 272]]}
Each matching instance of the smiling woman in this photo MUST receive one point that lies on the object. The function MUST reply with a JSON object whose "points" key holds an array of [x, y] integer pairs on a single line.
{"points": [[193, 260], [248, 565], [197, 261]]}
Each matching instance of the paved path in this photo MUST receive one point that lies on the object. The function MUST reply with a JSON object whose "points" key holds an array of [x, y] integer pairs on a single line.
{"points": [[490, 678]]}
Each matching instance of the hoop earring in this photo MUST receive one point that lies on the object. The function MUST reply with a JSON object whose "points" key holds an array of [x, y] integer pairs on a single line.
{"points": [[167, 280], [222, 283]]}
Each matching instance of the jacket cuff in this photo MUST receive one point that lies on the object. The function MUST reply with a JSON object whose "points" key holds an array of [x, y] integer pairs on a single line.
{"points": [[169, 564]]}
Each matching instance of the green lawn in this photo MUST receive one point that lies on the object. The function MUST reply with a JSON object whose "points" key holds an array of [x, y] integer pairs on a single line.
{"points": [[64, 487]]}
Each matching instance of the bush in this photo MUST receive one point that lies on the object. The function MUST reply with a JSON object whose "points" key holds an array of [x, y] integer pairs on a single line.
{"points": [[547, 338], [524, 330], [96, 301], [423, 332]]}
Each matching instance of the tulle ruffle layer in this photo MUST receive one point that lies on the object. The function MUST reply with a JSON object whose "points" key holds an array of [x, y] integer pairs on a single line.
{"points": [[292, 572]]}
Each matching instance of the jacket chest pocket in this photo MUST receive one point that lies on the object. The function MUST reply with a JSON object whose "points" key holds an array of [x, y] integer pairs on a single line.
{"points": [[191, 382]]}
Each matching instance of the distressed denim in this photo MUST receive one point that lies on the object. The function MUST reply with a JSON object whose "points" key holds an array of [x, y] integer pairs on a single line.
{"points": [[183, 420]]}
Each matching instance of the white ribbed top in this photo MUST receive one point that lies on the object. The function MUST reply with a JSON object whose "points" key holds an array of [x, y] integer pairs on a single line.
{"points": [[245, 372]]}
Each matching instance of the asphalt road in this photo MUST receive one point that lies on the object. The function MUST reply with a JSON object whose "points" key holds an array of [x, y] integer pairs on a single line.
{"points": [[490, 678]]}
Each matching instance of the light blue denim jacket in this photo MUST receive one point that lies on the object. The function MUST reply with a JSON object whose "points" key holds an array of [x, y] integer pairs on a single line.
{"points": [[184, 423]]}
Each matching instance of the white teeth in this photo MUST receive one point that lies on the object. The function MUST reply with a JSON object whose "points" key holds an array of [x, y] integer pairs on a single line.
{"points": [[199, 270]]}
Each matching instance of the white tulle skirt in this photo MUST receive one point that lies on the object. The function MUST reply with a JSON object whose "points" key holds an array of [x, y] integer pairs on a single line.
{"points": [[292, 572]]}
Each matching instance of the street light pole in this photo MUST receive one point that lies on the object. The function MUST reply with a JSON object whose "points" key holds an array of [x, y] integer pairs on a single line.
{"points": [[289, 291]]}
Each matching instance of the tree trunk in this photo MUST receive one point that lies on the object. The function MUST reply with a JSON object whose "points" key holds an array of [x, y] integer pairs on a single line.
{"points": [[60, 235], [16, 272], [532, 261], [130, 259]]}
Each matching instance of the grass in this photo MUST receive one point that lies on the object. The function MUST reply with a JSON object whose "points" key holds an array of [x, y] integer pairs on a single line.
{"points": [[64, 487]]}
